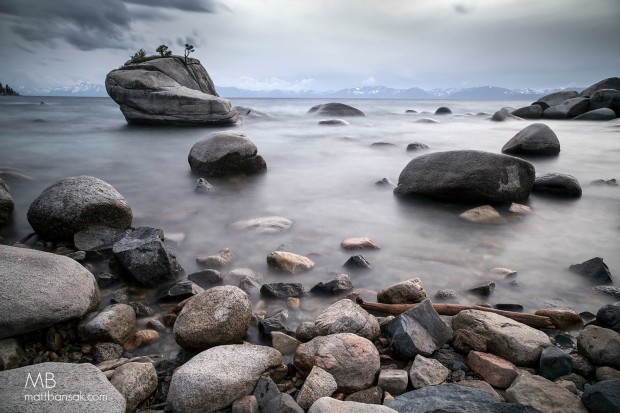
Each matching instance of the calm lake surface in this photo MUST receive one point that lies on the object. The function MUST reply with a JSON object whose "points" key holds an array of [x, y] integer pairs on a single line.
{"points": [[323, 179]]}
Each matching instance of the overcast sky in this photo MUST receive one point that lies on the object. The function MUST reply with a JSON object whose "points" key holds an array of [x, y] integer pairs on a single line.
{"points": [[319, 44]]}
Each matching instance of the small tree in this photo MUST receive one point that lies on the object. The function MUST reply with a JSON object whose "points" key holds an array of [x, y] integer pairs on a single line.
{"points": [[139, 56], [188, 49], [163, 51]]}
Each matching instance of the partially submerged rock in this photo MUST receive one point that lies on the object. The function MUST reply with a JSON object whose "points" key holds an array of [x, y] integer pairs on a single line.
{"points": [[563, 185], [344, 316], [535, 139], [226, 153], [335, 109]]}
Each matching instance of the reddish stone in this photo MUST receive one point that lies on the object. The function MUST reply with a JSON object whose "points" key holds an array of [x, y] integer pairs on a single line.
{"points": [[495, 370]]}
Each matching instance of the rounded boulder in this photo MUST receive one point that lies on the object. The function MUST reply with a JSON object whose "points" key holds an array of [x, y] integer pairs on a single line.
{"points": [[535, 139], [76, 203]]}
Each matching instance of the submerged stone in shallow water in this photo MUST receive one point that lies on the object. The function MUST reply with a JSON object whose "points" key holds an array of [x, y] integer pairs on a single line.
{"points": [[264, 225]]}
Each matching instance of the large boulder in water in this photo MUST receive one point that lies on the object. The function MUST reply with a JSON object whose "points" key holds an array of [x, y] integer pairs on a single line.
{"points": [[606, 98], [6, 204], [168, 90], [335, 109], [568, 109], [609, 83], [467, 177], [557, 98], [536, 139], [40, 289], [226, 153], [76, 203]]}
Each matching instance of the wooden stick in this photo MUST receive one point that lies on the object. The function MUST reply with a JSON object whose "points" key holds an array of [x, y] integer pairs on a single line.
{"points": [[531, 320]]}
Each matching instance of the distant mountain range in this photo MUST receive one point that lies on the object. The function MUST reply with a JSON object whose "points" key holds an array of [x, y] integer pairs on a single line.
{"points": [[365, 92]]}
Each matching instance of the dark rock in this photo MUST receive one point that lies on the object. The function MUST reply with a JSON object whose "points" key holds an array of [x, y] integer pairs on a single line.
{"points": [[411, 111], [510, 307], [565, 342], [341, 284], [419, 330], [582, 366], [483, 288], [557, 98], [6, 205], [97, 238], [607, 290], [535, 139], [140, 309], [426, 120], [179, 291], [115, 323], [357, 262], [503, 115], [385, 182], [609, 83], [594, 269], [203, 186], [282, 290], [558, 184], [272, 324], [600, 345], [77, 203], [453, 398], [335, 109], [156, 325], [466, 340], [597, 114], [106, 351], [267, 394], [602, 397], [446, 294], [606, 98], [168, 90], [206, 278], [334, 122], [106, 279], [529, 112], [417, 146], [382, 144], [443, 111], [143, 254], [545, 105], [608, 316], [568, 109], [467, 176], [226, 153], [554, 363], [374, 395]]}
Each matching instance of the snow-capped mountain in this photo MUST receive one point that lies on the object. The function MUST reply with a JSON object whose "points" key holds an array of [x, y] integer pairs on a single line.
{"points": [[80, 89]]}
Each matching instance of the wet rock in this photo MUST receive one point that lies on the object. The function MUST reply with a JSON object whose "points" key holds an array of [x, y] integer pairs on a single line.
{"points": [[561, 317], [607, 290], [340, 284], [427, 372], [221, 259], [269, 325], [179, 291], [156, 325], [558, 184], [504, 115], [335, 109], [373, 395], [142, 338], [76, 203], [426, 120], [594, 269], [329, 405], [529, 112], [517, 308], [600, 345], [419, 330], [385, 182], [135, 381], [115, 323], [206, 278], [417, 146], [393, 381], [535, 139], [106, 279], [610, 182], [282, 290], [520, 209], [606, 98], [217, 316], [495, 370], [57, 288], [509, 339], [239, 274], [608, 316], [446, 294], [267, 395], [143, 254], [503, 272], [319, 383], [557, 98], [468, 177], [485, 214], [411, 111], [344, 316], [306, 331], [203, 186], [482, 385], [68, 379], [226, 153], [607, 373], [582, 366], [602, 397], [543, 395], [97, 238], [284, 343], [12, 355], [466, 340], [609, 83], [352, 360], [602, 114], [443, 111], [568, 109], [359, 244], [484, 288], [357, 262], [409, 291], [289, 262], [247, 404], [140, 309], [334, 122], [215, 378], [264, 225]]}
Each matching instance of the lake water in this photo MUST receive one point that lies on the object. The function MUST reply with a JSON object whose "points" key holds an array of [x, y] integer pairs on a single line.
{"points": [[323, 179]]}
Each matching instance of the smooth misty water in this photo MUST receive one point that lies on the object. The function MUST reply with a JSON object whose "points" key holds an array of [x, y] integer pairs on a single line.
{"points": [[323, 178]]}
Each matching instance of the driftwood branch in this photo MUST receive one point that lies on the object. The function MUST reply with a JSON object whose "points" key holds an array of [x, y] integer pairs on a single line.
{"points": [[536, 321]]}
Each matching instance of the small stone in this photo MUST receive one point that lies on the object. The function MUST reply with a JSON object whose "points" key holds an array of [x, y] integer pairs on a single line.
{"points": [[409, 291], [344, 316], [340, 284], [334, 122], [106, 279], [282, 290], [371, 396], [142, 338], [607, 290], [115, 323], [608, 316], [357, 262], [359, 244], [582, 366], [458, 375], [393, 381], [607, 373], [385, 182], [306, 331], [156, 325], [140, 309], [106, 351], [561, 185], [284, 343], [483, 288], [520, 209], [179, 291], [427, 372], [594, 269], [443, 111], [289, 262], [495, 370], [203, 186], [246, 404], [264, 225], [135, 381], [293, 303], [12, 355], [561, 317], [206, 278], [417, 146], [319, 383], [485, 214], [466, 340], [97, 238], [221, 259], [600, 345], [446, 294], [269, 325]]}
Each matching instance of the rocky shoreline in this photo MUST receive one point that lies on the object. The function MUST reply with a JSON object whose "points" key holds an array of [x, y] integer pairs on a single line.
{"points": [[73, 304]]}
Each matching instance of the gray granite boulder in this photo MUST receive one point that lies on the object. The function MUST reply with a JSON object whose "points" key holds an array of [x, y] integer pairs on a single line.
{"points": [[563, 185], [453, 398], [319, 383], [509, 339], [226, 153], [419, 330], [597, 114], [219, 315], [335, 109], [602, 397], [143, 254], [168, 90], [467, 176], [329, 405], [12, 355], [135, 381], [504, 115], [606, 99], [600, 345], [21, 389], [116, 323], [41, 289], [97, 238], [543, 395], [568, 109], [344, 316], [535, 139], [76, 203], [352, 360], [609, 83], [557, 98], [6, 205], [215, 378], [529, 112], [408, 291]]}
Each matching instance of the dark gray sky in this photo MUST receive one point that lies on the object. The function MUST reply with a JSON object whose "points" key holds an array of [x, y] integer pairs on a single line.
{"points": [[319, 44]]}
